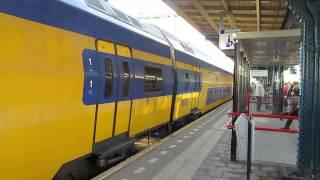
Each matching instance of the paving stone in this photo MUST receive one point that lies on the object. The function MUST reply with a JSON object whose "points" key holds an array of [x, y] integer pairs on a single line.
{"points": [[224, 155], [274, 174], [219, 151], [207, 163], [240, 171], [212, 167], [208, 168], [218, 166], [220, 145], [239, 178], [215, 173], [234, 165], [253, 177], [215, 158], [268, 178], [201, 178], [220, 148], [202, 172], [224, 169], [231, 175], [252, 167], [215, 153], [259, 173], [225, 159], [269, 168], [218, 163]]}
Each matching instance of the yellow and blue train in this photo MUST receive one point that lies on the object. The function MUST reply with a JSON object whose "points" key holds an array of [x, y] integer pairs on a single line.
{"points": [[81, 80]]}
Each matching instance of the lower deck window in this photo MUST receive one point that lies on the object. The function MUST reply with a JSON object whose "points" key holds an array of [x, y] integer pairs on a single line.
{"points": [[153, 79]]}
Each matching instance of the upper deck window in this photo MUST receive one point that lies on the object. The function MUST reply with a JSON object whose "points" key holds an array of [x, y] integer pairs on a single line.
{"points": [[186, 48], [121, 15], [99, 6], [135, 22]]}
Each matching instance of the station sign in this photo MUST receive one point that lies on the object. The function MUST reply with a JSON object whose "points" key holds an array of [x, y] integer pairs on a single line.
{"points": [[226, 40], [259, 73]]}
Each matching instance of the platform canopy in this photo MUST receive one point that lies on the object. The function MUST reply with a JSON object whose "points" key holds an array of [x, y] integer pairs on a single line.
{"points": [[268, 48], [246, 15]]}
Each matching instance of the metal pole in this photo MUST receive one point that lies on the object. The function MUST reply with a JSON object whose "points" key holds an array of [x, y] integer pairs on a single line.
{"points": [[233, 153], [249, 150]]}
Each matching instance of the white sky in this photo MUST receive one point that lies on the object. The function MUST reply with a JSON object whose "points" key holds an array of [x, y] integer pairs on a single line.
{"points": [[169, 21]]}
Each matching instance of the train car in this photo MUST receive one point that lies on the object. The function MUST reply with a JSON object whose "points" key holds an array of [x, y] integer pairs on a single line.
{"points": [[81, 81]]}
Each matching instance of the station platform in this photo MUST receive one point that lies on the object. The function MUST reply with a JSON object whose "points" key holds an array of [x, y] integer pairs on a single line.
{"points": [[199, 151], [275, 147]]}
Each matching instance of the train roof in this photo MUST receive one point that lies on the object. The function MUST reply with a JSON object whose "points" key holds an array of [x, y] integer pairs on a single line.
{"points": [[104, 10]]}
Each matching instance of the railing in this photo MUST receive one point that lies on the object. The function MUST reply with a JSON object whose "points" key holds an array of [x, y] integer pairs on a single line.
{"points": [[291, 104]]}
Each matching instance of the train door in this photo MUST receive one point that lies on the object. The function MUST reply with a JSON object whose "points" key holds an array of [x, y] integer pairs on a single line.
{"points": [[100, 85], [108, 87], [196, 88], [192, 90], [125, 86]]}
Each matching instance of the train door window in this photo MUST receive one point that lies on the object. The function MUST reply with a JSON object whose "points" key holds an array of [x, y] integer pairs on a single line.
{"points": [[108, 78], [126, 78], [153, 79], [215, 94], [195, 82], [187, 83]]}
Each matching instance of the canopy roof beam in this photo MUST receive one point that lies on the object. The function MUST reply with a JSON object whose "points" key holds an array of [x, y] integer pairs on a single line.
{"points": [[258, 14], [229, 15], [205, 15]]}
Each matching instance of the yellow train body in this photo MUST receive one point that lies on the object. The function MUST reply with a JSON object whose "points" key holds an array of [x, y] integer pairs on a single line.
{"points": [[43, 120]]}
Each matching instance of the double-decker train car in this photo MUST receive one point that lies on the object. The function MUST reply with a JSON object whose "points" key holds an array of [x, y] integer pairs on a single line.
{"points": [[81, 80]]}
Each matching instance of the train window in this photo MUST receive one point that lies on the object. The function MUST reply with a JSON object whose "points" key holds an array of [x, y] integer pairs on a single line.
{"points": [[95, 4], [100, 6], [135, 22], [121, 15], [108, 78], [151, 29], [186, 47], [126, 78], [153, 79], [195, 88], [187, 83]]}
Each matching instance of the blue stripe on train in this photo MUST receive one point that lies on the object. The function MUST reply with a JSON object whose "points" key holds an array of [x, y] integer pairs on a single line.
{"points": [[94, 82]]}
